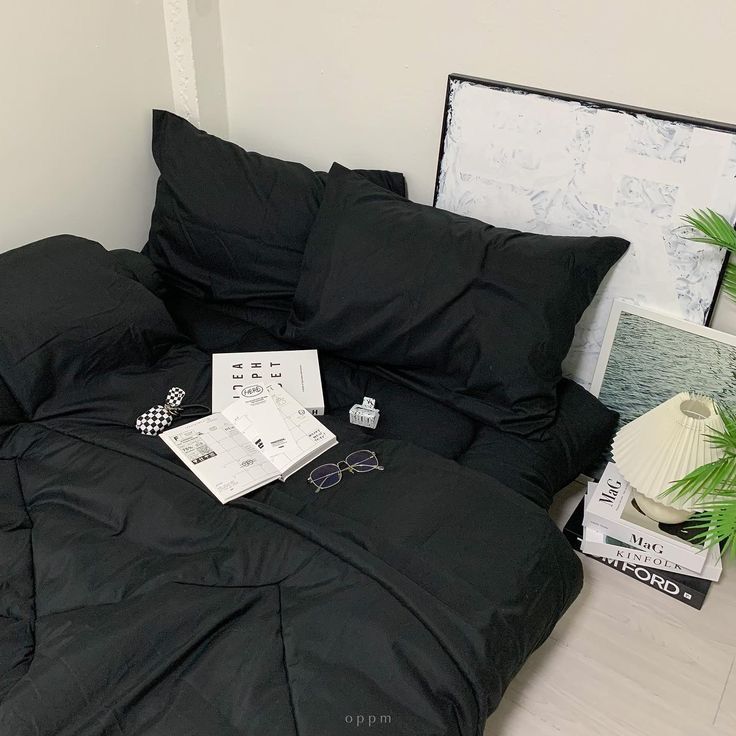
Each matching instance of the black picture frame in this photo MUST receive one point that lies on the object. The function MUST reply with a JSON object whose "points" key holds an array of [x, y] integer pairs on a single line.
{"points": [[589, 102]]}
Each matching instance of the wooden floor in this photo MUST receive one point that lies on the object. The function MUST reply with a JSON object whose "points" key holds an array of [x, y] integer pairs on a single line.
{"points": [[626, 660]]}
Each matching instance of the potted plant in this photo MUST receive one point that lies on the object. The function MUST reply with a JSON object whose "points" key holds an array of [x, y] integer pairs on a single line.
{"points": [[713, 486]]}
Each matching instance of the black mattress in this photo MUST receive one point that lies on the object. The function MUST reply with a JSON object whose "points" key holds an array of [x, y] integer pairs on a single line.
{"points": [[132, 602]]}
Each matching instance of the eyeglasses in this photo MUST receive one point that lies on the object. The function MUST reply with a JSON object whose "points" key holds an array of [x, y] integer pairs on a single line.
{"points": [[360, 461]]}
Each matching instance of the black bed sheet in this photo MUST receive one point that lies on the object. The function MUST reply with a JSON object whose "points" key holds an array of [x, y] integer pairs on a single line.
{"points": [[132, 602]]}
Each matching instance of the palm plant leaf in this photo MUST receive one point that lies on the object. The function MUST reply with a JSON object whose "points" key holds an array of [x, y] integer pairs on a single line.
{"points": [[716, 229], [729, 281], [711, 480], [712, 477], [713, 488], [725, 440], [717, 523], [716, 478]]}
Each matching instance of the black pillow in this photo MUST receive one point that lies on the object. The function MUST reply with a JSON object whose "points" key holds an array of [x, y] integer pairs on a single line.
{"points": [[230, 225], [70, 321], [539, 467], [136, 266], [475, 316]]}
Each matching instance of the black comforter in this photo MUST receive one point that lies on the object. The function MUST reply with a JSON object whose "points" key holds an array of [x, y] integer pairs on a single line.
{"points": [[132, 602]]}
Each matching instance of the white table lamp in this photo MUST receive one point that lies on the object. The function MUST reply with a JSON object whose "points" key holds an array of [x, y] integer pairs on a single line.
{"points": [[664, 445]]}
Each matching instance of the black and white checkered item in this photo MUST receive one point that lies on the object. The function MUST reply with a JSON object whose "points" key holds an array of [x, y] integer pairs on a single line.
{"points": [[158, 418]]}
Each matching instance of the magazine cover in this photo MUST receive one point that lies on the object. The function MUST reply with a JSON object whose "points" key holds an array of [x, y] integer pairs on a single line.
{"points": [[297, 371], [613, 510]]}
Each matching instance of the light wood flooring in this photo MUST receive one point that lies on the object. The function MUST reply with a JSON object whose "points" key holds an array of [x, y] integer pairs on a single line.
{"points": [[626, 660]]}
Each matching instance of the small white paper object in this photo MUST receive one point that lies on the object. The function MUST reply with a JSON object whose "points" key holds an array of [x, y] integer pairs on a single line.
{"points": [[365, 414]]}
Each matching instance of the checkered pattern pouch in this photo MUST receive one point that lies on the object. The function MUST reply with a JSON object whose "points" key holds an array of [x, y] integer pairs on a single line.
{"points": [[158, 418]]}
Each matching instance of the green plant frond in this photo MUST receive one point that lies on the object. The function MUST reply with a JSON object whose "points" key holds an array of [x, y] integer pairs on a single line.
{"points": [[708, 506], [730, 272], [707, 539], [712, 486], [728, 285], [727, 414], [725, 435], [716, 478], [697, 222], [717, 230], [707, 480], [723, 443], [719, 525], [724, 440]]}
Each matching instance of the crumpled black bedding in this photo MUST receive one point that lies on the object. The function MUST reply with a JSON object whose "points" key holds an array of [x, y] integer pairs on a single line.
{"points": [[132, 602], [535, 467]]}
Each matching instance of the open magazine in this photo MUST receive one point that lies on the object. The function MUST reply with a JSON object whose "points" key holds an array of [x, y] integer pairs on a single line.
{"points": [[257, 439]]}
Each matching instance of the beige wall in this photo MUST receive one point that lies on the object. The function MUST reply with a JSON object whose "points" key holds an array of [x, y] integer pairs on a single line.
{"points": [[363, 81], [79, 80]]}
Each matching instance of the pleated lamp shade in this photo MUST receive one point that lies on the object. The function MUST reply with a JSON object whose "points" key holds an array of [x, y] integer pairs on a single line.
{"points": [[666, 443]]}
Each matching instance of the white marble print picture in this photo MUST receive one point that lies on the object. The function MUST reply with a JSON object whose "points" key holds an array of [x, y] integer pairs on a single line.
{"points": [[535, 162]]}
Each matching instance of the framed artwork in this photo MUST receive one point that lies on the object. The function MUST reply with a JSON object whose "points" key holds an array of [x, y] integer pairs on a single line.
{"points": [[648, 357], [548, 162]]}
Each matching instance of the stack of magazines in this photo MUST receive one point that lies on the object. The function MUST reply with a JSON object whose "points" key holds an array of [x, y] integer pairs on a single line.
{"points": [[609, 526]]}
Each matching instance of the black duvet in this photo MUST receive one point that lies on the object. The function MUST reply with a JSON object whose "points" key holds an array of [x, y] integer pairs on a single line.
{"points": [[132, 602]]}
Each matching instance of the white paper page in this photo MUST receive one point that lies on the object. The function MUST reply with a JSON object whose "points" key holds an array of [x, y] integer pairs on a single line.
{"points": [[235, 374], [224, 460], [311, 437], [259, 419]]}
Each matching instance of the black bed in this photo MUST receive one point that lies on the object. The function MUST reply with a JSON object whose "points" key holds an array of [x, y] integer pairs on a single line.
{"points": [[132, 602]]}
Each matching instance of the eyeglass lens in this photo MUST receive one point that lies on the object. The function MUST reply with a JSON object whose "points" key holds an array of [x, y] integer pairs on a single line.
{"points": [[326, 476], [362, 461]]}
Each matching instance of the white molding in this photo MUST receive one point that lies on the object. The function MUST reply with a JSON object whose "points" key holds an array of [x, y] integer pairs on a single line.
{"points": [[181, 59]]}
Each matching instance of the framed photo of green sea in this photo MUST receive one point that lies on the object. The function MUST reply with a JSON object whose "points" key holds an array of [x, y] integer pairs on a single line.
{"points": [[648, 357]]}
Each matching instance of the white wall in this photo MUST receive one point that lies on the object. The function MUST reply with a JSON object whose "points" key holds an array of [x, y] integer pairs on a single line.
{"points": [[206, 40], [79, 80], [363, 81]]}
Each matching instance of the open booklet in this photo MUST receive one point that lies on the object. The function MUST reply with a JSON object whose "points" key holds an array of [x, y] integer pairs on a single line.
{"points": [[255, 440]]}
